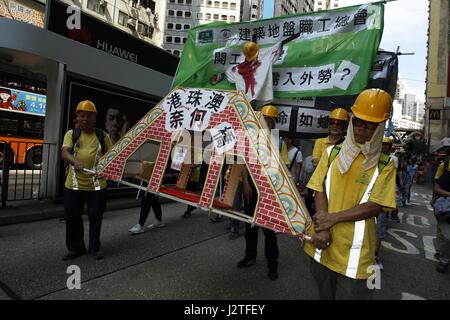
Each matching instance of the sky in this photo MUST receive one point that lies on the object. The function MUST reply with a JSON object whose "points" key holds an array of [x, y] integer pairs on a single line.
{"points": [[405, 25]]}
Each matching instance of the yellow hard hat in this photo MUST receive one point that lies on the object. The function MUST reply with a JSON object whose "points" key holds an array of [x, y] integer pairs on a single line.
{"points": [[250, 50], [387, 140], [86, 105], [270, 111], [339, 114], [373, 105]]}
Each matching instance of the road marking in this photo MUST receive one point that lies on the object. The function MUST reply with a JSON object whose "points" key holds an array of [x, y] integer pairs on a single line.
{"points": [[424, 196], [424, 223], [429, 207], [428, 245], [400, 216], [409, 296], [410, 249]]}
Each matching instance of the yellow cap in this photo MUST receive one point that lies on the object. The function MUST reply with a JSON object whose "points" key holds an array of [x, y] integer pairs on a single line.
{"points": [[86, 105], [270, 111], [373, 105], [250, 50], [339, 114], [387, 140]]}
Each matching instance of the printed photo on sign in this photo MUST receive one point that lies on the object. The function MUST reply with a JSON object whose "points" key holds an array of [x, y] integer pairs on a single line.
{"points": [[224, 137], [22, 101], [178, 157]]}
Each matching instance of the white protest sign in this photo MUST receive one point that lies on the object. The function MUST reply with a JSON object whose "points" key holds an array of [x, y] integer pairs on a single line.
{"points": [[345, 74], [312, 121], [224, 137], [303, 79], [192, 108], [284, 118]]}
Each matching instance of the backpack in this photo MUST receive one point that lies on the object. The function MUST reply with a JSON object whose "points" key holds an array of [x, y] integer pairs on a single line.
{"points": [[76, 133], [382, 162]]}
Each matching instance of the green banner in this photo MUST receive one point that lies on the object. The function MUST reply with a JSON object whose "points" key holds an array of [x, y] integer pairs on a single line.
{"points": [[331, 55]]}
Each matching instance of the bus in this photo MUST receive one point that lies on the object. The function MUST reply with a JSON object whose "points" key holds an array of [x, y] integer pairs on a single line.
{"points": [[22, 133]]}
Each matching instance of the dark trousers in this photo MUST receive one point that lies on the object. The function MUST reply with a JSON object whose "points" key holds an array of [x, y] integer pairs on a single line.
{"points": [[334, 286], [74, 202], [251, 236], [148, 201]]}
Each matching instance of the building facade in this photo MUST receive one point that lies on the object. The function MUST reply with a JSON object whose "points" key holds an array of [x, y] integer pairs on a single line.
{"points": [[437, 93], [27, 11], [182, 15], [251, 10], [408, 103], [143, 19], [285, 7]]}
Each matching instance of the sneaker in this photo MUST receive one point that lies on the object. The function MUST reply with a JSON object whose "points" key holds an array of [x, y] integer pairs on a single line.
{"points": [[233, 235], [442, 267], [216, 219], [136, 229], [378, 263], [272, 274], [155, 224], [72, 255], [186, 214], [246, 262], [97, 255]]}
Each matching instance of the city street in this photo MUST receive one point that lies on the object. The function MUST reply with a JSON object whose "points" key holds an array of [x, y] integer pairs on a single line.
{"points": [[194, 259]]}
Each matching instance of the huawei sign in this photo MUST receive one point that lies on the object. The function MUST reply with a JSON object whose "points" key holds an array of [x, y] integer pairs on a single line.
{"points": [[83, 35]]}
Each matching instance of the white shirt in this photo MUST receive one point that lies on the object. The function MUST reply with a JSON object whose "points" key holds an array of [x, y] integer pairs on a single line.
{"points": [[298, 158]]}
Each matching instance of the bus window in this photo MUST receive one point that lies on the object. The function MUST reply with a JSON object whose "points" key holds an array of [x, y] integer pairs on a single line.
{"points": [[23, 133]]}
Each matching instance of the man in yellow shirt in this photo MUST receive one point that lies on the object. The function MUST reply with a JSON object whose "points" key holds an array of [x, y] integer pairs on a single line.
{"points": [[337, 127], [349, 193], [81, 187]]}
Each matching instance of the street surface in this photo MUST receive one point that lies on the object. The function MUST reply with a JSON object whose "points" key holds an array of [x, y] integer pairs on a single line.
{"points": [[194, 259]]}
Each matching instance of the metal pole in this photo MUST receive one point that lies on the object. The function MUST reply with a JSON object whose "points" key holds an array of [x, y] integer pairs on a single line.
{"points": [[429, 131]]}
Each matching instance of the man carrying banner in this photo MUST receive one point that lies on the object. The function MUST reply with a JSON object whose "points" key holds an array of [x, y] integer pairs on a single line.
{"points": [[359, 181], [337, 127]]}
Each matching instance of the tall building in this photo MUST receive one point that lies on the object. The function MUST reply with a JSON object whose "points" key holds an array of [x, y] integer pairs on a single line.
{"points": [[420, 112], [251, 10], [326, 4], [182, 15], [399, 91], [408, 103], [285, 7], [437, 93]]}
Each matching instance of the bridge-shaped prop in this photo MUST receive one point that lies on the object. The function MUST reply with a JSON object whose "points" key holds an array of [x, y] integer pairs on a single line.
{"points": [[236, 132]]}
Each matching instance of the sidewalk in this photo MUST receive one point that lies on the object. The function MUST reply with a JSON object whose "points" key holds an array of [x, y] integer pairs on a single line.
{"points": [[35, 210]]}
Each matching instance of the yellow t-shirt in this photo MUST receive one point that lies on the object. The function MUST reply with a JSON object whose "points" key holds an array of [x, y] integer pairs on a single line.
{"points": [[320, 145], [440, 170], [346, 192], [86, 151]]}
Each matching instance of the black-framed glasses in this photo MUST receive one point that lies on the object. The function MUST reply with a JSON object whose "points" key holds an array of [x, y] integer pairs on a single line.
{"points": [[362, 123], [335, 122]]}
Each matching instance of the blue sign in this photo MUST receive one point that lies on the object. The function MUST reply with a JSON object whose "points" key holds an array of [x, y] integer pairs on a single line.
{"points": [[22, 101]]}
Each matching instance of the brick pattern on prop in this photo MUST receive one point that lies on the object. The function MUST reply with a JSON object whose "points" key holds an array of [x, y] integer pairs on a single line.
{"points": [[279, 207]]}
